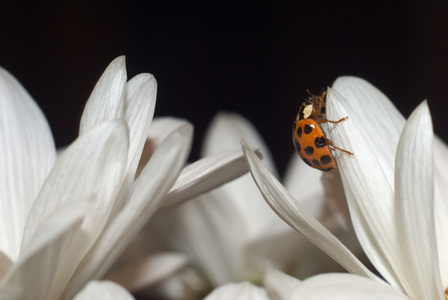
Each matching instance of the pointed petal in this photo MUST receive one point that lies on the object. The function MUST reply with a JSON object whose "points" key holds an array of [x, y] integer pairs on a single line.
{"points": [[106, 102], [279, 285], [140, 104], [366, 177], [206, 174], [39, 262], [344, 286], [91, 169], [240, 291], [27, 156], [225, 132], [142, 273], [149, 190], [103, 290], [414, 188], [295, 216]]}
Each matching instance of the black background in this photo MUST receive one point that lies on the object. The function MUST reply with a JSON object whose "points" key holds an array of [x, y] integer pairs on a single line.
{"points": [[251, 57]]}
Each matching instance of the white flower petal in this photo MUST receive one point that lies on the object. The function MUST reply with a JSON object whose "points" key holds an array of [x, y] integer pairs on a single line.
{"points": [[240, 291], [225, 132], [377, 118], [201, 229], [142, 273], [95, 290], [368, 189], [141, 101], [106, 102], [91, 169], [5, 264], [140, 104], [279, 285], [205, 175], [39, 262], [344, 287], [414, 190], [441, 205], [295, 216], [310, 192], [149, 190], [27, 156]]}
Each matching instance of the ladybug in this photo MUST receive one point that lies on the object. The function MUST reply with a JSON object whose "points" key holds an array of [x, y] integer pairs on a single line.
{"points": [[308, 136]]}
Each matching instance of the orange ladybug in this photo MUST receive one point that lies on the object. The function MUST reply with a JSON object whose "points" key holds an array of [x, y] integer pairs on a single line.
{"points": [[308, 136]]}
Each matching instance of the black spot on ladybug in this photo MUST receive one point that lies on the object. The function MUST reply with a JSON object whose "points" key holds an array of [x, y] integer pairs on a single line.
{"points": [[307, 129], [320, 142], [325, 159], [307, 162], [316, 162], [299, 132], [309, 150], [326, 170], [297, 145]]}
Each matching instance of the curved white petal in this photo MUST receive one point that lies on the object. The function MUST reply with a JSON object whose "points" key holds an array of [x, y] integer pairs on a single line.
{"points": [[91, 169], [441, 205], [206, 174], [414, 189], [95, 290], [149, 190], [240, 291], [142, 273], [40, 261], [344, 287], [107, 101], [27, 154], [369, 192], [279, 285], [295, 216]]}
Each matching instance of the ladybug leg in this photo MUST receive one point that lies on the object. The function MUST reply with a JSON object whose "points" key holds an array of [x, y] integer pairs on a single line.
{"points": [[333, 122], [330, 143]]}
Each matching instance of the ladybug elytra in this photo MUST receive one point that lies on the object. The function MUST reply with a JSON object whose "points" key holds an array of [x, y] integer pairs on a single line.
{"points": [[308, 136]]}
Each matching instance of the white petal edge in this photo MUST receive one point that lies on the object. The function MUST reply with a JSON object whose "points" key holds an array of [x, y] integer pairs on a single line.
{"points": [[344, 287], [414, 190], [106, 102], [278, 284], [37, 266], [95, 290], [368, 189], [142, 273], [149, 190], [206, 174], [285, 206], [27, 156], [240, 291]]}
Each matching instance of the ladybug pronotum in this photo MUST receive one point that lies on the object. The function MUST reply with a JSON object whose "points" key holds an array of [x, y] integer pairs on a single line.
{"points": [[308, 136]]}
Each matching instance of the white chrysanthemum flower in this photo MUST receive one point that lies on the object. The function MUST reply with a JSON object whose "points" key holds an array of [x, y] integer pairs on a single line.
{"points": [[230, 233], [395, 187], [64, 220]]}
